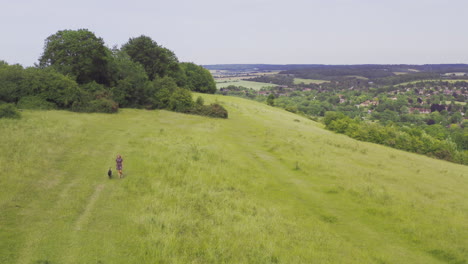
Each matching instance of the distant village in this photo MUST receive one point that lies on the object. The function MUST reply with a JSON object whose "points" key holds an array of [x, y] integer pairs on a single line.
{"points": [[420, 97]]}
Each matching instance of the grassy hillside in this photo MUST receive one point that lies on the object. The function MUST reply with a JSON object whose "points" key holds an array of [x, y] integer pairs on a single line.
{"points": [[264, 186]]}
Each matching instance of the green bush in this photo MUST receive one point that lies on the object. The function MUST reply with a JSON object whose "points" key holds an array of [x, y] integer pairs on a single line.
{"points": [[35, 102], [101, 105], [199, 101], [181, 100], [9, 111], [213, 110], [160, 91]]}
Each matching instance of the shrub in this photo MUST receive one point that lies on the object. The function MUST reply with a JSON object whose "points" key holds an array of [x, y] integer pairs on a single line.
{"points": [[199, 101], [101, 105], [9, 111], [213, 110], [332, 116], [160, 91], [35, 102], [181, 100], [199, 79]]}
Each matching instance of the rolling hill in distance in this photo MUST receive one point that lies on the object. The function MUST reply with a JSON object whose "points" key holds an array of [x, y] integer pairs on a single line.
{"points": [[263, 186]]}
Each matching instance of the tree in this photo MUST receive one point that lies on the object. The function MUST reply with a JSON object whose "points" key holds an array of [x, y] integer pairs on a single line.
{"points": [[50, 86], [271, 99], [156, 60], [160, 92], [10, 78], [199, 79], [130, 80], [78, 53]]}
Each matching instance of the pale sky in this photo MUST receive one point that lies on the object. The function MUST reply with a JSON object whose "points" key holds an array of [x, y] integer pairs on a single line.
{"points": [[252, 31]]}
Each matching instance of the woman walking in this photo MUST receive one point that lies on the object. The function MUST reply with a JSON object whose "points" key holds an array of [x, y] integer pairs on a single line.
{"points": [[119, 165]]}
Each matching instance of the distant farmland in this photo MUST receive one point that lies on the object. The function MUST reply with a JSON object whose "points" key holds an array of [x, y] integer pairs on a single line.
{"points": [[308, 81], [247, 84]]}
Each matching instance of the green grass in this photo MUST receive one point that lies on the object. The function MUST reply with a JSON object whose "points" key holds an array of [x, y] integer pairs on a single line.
{"points": [[248, 84], [456, 102], [264, 186], [308, 81]]}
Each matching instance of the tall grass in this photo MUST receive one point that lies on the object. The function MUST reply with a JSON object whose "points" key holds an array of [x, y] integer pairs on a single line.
{"points": [[264, 186]]}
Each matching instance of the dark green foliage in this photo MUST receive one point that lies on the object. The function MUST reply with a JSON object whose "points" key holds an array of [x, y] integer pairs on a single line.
{"points": [[78, 53], [9, 111], [50, 85], [10, 79], [409, 139], [35, 102], [156, 60], [181, 100], [240, 91], [16, 82], [199, 79], [95, 97], [130, 81], [160, 92], [280, 79], [213, 110], [101, 105], [332, 116], [271, 100], [77, 72]]}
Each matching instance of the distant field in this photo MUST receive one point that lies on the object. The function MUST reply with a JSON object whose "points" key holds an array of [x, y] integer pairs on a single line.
{"points": [[308, 81], [455, 74], [458, 103], [229, 76], [432, 80], [358, 77], [247, 84]]}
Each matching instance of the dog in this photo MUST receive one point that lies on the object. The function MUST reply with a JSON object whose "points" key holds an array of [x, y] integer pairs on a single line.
{"points": [[109, 173]]}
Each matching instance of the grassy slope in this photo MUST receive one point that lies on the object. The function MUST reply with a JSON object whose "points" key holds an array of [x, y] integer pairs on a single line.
{"points": [[201, 190], [247, 84]]}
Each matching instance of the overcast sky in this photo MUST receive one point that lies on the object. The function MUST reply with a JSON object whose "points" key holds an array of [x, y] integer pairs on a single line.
{"points": [[252, 31]]}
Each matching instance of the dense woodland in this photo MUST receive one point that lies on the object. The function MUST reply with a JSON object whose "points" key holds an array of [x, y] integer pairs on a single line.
{"points": [[78, 72], [422, 112]]}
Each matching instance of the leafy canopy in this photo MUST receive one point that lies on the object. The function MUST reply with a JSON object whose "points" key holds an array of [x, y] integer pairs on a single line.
{"points": [[78, 53], [156, 60], [199, 79]]}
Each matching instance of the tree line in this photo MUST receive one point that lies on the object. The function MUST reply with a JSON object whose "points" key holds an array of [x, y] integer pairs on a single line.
{"points": [[77, 71], [412, 139]]}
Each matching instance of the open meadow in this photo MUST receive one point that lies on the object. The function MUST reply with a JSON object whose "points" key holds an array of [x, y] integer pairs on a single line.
{"points": [[308, 81], [263, 186]]}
